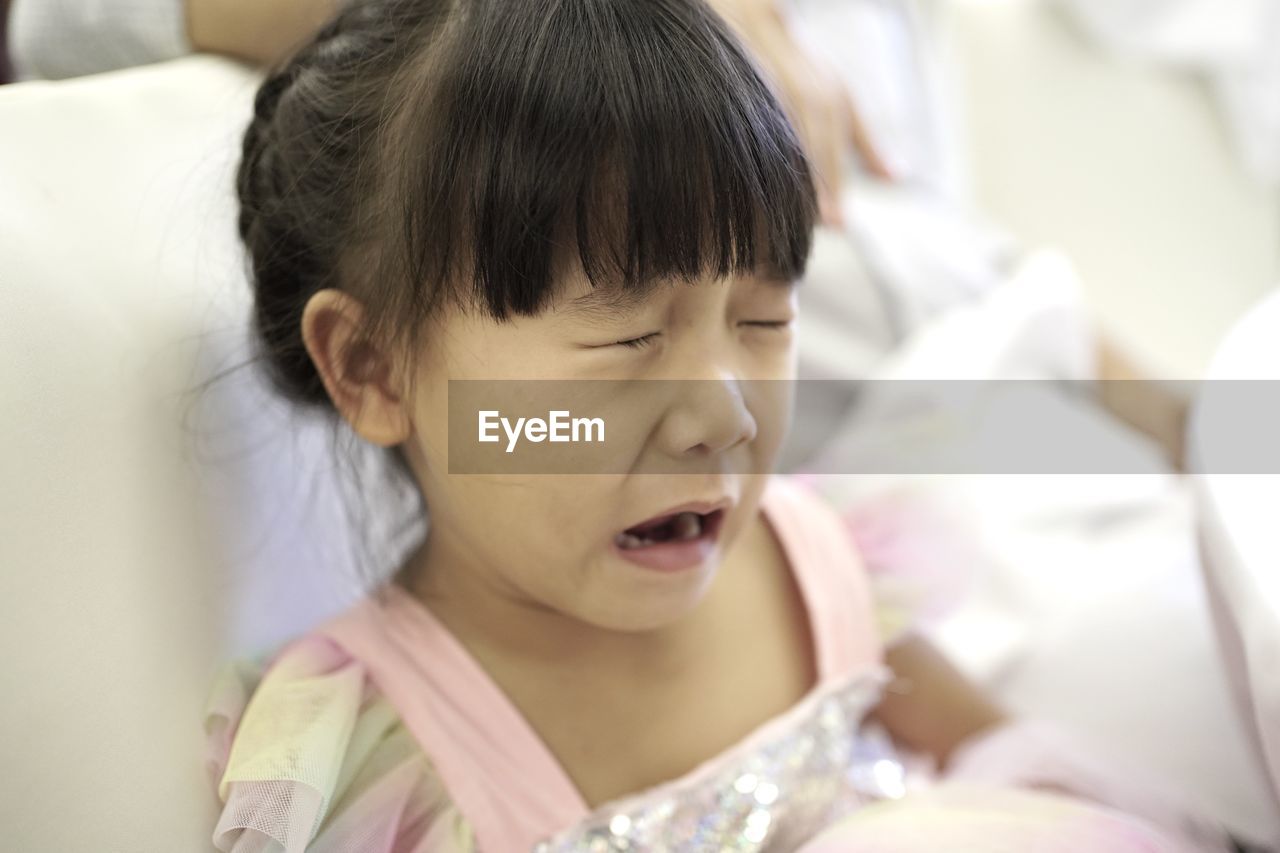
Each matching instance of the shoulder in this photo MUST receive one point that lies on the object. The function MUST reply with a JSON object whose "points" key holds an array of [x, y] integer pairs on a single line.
{"points": [[807, 521], [866, 547], [824, 556], [303, 750]]}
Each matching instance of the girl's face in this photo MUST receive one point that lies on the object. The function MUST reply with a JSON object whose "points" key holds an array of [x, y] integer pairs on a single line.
{"points": [[613, 550]]}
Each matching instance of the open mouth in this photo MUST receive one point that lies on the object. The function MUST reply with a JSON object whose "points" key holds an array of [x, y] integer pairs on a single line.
{"points": [[674, 528]]}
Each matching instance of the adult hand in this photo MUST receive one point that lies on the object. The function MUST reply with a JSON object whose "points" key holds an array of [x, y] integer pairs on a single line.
{"points": [[813, 94]]}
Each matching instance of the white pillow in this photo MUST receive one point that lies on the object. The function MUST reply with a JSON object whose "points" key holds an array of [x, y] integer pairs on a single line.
{"points": [[146, 536], [1237, 523]]}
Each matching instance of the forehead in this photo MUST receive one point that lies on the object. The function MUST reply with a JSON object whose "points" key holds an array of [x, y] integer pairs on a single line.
{"points": [[579, 299]]}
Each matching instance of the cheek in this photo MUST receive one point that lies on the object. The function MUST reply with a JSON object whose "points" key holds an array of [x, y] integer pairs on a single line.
{"points": [[431, 424], [537, 529], [771, 354], [771, 402], [780, 395], [790, 354]]}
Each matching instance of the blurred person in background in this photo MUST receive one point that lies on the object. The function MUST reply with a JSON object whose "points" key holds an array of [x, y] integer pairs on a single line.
{"points": [[959, 257]]}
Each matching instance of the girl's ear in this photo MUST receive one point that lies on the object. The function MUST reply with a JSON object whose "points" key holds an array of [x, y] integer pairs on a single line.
{"points": [[358, 375]]}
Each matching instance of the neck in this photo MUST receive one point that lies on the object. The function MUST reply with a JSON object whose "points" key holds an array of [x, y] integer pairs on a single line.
{"points": [[498, 623]]}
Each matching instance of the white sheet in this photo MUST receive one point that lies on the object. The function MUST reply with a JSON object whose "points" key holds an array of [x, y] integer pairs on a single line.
{"points": [[1235, 44]]}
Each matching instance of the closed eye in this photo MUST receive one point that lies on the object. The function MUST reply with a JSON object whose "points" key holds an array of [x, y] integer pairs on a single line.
{"points": [[637, 343], [767, 324]]}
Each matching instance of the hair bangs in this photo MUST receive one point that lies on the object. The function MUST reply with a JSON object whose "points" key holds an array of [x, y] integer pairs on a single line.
{"points": [[635, 140]]}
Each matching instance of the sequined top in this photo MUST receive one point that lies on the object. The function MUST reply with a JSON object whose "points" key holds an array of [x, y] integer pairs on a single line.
{"points": [[377, 732], [811, 767]]}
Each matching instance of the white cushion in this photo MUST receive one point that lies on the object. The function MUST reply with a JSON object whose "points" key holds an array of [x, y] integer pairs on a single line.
{"points": [[122, 287], [1237, 514]]}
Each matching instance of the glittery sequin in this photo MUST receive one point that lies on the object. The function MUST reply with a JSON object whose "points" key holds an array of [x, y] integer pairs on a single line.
{"points": [[772, 798]]}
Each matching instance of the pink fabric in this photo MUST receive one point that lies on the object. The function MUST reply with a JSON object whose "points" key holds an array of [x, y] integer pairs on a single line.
{"points": [[502, 777], [921, 555], [1035, 754]]}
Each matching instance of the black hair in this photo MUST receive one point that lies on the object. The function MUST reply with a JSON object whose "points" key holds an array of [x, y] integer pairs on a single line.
{"points": [[421, 151]]}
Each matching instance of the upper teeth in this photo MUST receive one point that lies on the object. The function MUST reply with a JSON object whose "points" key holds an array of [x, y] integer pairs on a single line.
{"points": [[686, 525]]}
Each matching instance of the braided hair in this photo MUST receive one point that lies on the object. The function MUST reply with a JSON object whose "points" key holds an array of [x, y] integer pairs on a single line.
{"points": [[304, 159]]}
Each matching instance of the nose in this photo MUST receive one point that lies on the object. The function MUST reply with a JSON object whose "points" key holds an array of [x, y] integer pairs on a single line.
{"points": [[708, 417]]}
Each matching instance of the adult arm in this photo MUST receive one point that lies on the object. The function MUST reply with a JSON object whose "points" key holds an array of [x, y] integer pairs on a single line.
{"points": [[931, 706], [257, 31], [820, 106]]}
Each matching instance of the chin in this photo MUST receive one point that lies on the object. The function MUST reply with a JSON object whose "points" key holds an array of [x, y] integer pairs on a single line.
{"points": [[656, 602]]}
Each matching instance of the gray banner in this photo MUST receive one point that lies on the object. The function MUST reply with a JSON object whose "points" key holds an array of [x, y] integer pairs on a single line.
{"points": [[859, 427]]}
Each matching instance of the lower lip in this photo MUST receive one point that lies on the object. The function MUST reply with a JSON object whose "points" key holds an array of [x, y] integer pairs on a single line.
{"points": [[675, 556]]}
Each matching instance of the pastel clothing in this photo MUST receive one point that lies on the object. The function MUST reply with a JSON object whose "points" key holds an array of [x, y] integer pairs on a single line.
{"points": [[377, 732]]}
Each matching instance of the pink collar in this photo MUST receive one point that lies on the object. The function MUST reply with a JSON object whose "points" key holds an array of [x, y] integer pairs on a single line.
{"points": [[501, 775]]}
